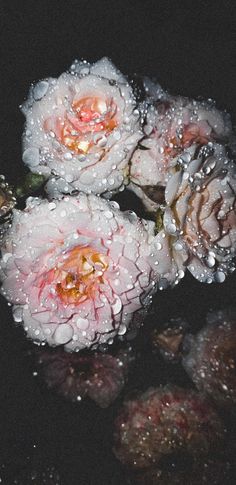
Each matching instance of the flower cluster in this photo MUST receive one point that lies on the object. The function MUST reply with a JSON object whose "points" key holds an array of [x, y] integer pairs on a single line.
{"points": [[79, 271]]}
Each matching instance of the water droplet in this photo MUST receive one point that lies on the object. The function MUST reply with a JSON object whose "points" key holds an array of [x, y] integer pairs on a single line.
{"points": [[68, 156], [17, 314], [171, 228], [220, 277], [209, 281], [40, 90], [52, 206], [31, 157], [122, 330], [117, 135], [111, 181], [82, 323], [102, 141], [178, 246], [63, 333], [130, 286], [108, 214], [116, 307], [114, 205], [158, 246]]}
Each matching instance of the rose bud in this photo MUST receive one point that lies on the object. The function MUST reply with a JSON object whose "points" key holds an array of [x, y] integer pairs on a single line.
{"points": [[99, 376], [82, 127], [163, 421], [7, 200], [176, 127], [77, 270], [168, 339], [210, 357]]}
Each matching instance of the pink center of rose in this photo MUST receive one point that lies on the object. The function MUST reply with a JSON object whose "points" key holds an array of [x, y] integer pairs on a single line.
{"points": [[89, 115], [80, 275], [192, 133], [76, 277]]}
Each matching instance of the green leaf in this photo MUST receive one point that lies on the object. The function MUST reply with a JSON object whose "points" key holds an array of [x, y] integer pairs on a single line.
{"points": [[159, 220], [29, 184]]}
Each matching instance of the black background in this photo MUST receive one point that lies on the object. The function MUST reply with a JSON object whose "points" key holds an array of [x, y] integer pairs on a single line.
{"points": [[190, 47]]}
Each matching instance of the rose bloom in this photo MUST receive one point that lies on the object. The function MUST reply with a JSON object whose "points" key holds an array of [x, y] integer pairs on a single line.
{"points": [[82, 127], [210, 357], [198, 228], [99, 376], [162, 421], [175, 128], [76, 269]]}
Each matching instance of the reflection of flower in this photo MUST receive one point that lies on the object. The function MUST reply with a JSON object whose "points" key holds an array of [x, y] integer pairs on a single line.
{"points": [[163, 421], [7, 200], [210, 358], [96, 375], [76, 270], [82, 127], [175, 128], [199, 219]]}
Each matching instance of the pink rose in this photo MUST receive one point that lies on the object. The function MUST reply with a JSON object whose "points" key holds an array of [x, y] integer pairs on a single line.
{"points": [[76, 270], [175, 128], [162, 421], [199, 217], [99, 376], [82, 127], [210, 357]]}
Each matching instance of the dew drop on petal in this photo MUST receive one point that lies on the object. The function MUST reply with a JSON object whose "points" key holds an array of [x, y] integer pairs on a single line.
{"points": [[52, 206], [116, 307], [108, 214], [122, 330], [211, 261], [17, 314], [31, 157], [40, 90], [63, 333], [220, 276], [158, 246], [82, 323]]}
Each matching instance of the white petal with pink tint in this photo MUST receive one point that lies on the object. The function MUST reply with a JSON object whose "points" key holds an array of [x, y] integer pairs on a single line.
{"points": [[81, 129], [67, 284], [176, 127]]}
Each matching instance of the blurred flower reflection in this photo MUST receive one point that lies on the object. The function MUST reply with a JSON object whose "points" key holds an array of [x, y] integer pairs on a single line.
{"points": [[99, 376]]}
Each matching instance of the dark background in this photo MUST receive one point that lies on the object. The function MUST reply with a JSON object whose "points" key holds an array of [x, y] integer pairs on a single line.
{"points": [[190, 47]]}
